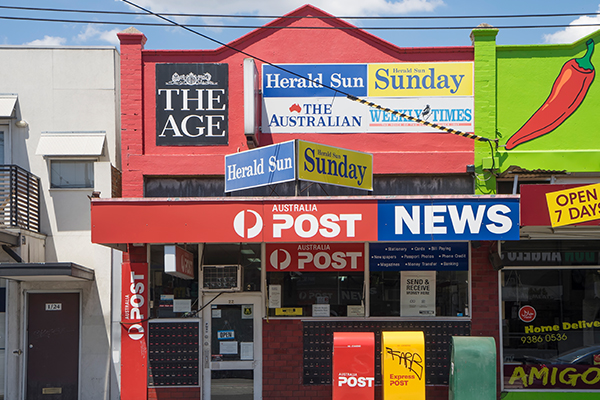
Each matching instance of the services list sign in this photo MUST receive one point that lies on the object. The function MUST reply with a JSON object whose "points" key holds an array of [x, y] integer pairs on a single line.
{"points": [[192, 104]]}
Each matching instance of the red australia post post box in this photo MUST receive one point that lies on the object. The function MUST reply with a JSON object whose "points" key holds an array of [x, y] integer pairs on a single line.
{"points": [[353, 365]]}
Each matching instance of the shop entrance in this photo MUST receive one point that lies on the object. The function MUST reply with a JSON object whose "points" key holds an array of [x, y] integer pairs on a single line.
{"points": [[52, 346], [232, 341]]}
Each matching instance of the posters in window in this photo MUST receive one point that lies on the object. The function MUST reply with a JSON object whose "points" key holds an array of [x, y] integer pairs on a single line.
{"points": [[417, 296]]}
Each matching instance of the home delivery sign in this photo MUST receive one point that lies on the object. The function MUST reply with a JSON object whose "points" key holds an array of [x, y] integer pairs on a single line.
{"points": [[298, 159]]}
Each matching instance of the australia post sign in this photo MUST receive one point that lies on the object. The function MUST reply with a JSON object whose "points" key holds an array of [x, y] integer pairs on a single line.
{"points": [[363, 219], [300, 257]]}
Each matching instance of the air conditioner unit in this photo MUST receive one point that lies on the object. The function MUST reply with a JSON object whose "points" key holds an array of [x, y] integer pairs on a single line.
{"points": [[221, 278]]}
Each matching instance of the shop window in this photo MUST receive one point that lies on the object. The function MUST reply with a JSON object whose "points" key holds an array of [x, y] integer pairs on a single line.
{"points": [[316, 294], [551, 327], [422, 294], [412, 279], [171, 296], [69, 174]]}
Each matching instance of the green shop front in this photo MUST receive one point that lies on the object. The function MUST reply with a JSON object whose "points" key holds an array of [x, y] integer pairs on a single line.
{"points": [[539, 105]]}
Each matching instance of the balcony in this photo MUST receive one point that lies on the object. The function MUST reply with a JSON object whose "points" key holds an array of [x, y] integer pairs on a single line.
{"points": [[19, 199]]}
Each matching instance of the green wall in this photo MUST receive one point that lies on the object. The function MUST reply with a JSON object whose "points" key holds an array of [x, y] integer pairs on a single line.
{"points": [[519, 79]]}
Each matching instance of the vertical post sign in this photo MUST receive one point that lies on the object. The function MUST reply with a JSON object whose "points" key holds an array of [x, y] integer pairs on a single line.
{"points": [[134, 332], [192, 104]]}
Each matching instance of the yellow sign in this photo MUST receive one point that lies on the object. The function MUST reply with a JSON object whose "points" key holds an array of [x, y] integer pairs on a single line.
{"points": [[288, 311], [574, 205], [403, 365], [335, 166], [421, 79]]}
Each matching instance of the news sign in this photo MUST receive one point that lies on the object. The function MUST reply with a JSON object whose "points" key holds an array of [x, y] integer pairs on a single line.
{"points": [[448, 219], [331, 257]]}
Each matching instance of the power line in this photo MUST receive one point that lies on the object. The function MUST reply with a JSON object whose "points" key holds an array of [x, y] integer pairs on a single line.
{"points": [[390, 28], [400, 17]]}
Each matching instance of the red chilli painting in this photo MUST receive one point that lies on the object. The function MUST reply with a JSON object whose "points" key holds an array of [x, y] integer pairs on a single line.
{"points": [[568, 92]]}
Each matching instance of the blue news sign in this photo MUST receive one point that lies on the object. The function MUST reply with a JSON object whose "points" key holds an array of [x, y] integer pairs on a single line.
{"points": [[446, 219], [419, 256], [314, 80], [260, 167]]}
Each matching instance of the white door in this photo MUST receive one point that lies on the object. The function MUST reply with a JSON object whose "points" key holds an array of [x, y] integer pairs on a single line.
{"points": [[232, 347]]}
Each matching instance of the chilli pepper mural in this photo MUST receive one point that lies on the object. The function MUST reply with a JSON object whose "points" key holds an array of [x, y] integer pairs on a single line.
{"points": [[568, 92]]}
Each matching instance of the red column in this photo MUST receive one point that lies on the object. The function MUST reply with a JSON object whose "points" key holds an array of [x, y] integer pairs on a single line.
{"points": [[132, 44]]}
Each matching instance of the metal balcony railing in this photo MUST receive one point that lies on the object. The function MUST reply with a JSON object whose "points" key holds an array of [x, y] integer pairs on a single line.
{"points": [[19, 198]]}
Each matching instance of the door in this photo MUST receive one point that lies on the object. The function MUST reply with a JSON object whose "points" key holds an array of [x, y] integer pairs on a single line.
{"points": [[232, 347], [52, 346]]}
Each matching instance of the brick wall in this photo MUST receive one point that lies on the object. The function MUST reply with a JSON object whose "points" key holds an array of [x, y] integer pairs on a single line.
{"points": [[484, 310], [282, 366]]}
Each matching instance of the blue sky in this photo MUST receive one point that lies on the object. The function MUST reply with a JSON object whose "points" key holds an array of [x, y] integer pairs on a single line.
{"points": [[19, 32]]}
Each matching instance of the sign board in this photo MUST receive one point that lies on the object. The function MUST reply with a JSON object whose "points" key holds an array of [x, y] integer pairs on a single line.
{"points": [[419, 256], [192, 104], [403, 365], [312, 99], [575, 205], [417, 293], [262, 166], [334, 166], [331, 257], [252, 101], [134, 328], [448, 219], [179, 262], [320, 221]]}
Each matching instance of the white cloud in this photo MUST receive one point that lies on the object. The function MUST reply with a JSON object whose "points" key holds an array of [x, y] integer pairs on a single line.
{"points": [[92, 33], [48, 41], [574, 32], [280, 7]]}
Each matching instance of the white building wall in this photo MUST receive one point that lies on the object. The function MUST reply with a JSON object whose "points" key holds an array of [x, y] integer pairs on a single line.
{"points": [[65, 89]]}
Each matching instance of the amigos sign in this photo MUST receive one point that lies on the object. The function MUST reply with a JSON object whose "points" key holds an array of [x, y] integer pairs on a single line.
{"points": [[192, 104], [311, 98]]}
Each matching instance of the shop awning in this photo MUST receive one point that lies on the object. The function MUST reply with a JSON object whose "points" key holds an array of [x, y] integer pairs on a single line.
{"points": [[61, 144], [7, 105], [45, 272]]}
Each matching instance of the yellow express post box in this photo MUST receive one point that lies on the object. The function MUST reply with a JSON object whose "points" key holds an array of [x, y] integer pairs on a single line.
{"points": [[403, 365]]}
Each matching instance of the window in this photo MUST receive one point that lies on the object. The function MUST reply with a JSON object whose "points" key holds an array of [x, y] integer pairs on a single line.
{"points": [[551, 328], [411, 279], [69, 174]]}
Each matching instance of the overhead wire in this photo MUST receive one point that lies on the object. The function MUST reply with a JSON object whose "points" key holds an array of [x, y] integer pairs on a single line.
{"points": [[374, 17], [350, 28]]}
